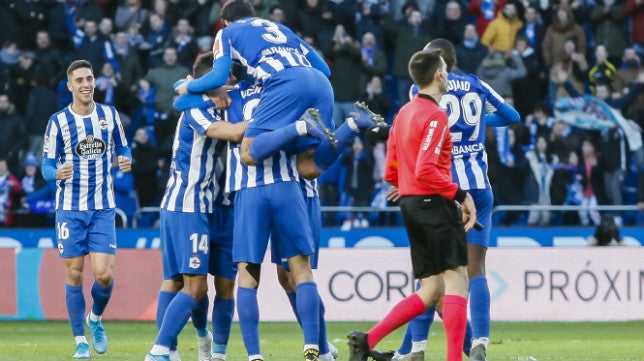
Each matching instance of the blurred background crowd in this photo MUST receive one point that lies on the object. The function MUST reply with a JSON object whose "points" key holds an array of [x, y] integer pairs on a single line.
{"points": [[531, 52]]}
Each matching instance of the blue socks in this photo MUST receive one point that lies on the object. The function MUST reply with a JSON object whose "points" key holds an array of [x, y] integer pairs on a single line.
{"points": [[324, 346], [480, 307], [325, 155], [307, 301], [101, 296], [200, 316], [75, 302], [268, 143], [419, 326], [163, 300], [222, 319], [248, 312], [176, 316]]}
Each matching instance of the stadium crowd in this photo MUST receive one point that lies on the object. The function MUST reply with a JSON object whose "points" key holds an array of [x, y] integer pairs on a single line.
{"points": [[533, 53]]}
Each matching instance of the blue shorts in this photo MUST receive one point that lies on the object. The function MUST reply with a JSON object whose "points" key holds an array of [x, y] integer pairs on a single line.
{"points": [[286, 96], [483, 201], [221, 243], [185, 243], [82, 232], [277, 207], [315, 219]]}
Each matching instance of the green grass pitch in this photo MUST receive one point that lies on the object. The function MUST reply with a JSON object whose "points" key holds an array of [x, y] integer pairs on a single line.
{"points": [[588, 341]]}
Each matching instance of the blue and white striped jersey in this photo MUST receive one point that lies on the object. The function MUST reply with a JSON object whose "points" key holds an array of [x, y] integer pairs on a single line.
{"points": [[466, 102], [280, 167], [190, 187], [309, 187], [273, 48], [89, 143]]}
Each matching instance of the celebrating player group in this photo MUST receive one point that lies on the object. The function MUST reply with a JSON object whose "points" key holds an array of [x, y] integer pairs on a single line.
{"points": [[255, 132]]}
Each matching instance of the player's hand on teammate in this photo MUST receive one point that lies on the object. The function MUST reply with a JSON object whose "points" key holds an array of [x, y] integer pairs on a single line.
{"points": [[220, 96], [182, 87], [469, 212], [392, 194], [65, 171], [125, 165]]}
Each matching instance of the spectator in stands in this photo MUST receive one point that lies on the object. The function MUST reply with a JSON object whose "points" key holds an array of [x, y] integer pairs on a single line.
{"points": [[500, 69], [608, 18], [10, 190], [539, 123], [613, 160], [375, 97], [470, 53], [572, 68], [129, 13], [23, 80], [162, 78], [358, 182], [369, 22], [448, 20], [131, 71], [41, 104], [109, 88], [501, 32], [9, 54], [627, 74], [592, 180], [564, 139], [408, 37], [155, 39], [90, 44], [561, 30], [31, 181], [50, 59], [346, 73], [106, 28], [262, 7], [374, 61], [135, 39], [276, 14], [144, 168], [508, 171], [533, 30], [12, 132], [30, 16], [484, 11], [566, 187], [528, 90], [184, 41], [310, 23], [603, 70], [635, 9], [537, 185]]}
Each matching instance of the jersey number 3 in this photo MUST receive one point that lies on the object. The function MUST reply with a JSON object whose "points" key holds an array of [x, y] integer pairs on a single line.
{"points": [[273, 33]]}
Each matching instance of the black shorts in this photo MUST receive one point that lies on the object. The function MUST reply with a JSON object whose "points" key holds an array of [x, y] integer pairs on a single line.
{"points": [[437, 240]]}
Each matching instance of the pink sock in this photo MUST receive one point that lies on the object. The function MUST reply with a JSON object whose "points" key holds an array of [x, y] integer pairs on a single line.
{"points": [[455, 321], [402, 313]]}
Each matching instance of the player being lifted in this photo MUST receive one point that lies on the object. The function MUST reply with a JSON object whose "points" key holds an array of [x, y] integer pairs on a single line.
{"points": [[79, 145]]}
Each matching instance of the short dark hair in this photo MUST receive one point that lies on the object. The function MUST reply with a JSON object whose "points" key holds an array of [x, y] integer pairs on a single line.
{"points": [[448, 53], [237, 9], [423, 65], [202, 65], [78, 64]]}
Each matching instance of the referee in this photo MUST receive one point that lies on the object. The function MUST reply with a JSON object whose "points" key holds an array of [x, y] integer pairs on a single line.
{"points": [[419, 164]]}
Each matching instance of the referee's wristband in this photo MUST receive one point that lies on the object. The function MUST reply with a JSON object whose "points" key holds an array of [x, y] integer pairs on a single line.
{"points": [[460, 195]]}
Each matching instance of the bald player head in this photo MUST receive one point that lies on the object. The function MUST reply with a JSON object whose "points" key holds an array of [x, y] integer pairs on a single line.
{"points": [[448, 53]]}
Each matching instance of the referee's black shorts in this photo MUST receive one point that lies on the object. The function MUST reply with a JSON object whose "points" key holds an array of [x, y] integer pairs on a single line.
{"points": [[437, 239]]}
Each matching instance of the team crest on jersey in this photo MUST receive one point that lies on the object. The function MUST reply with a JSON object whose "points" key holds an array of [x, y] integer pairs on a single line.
{"points": [[102, 123], [60, 247], [194, 262], [91, 148]]}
